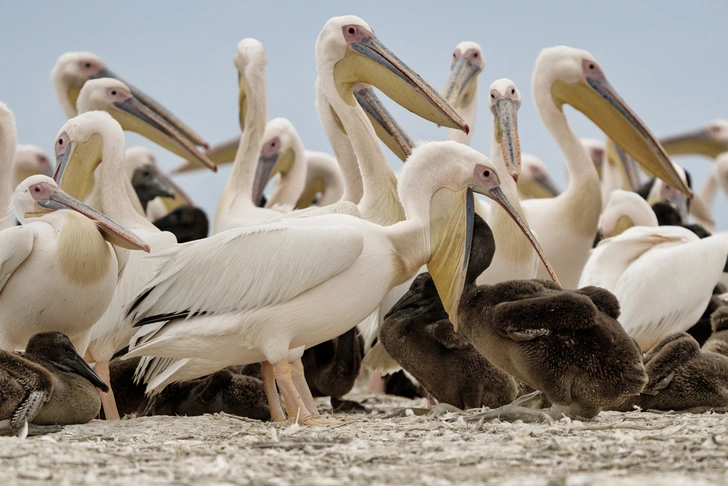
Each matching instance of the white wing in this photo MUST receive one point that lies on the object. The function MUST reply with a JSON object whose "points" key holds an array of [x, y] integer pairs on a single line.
{"points": [[246, 268], [16, 243], [663, 278]]}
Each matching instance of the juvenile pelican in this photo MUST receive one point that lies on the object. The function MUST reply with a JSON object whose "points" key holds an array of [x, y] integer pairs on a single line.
{"points": [[566, 224], [663, 276], [30, 160], [73, 69], [272, 309], [58, 272], [8, 140]]}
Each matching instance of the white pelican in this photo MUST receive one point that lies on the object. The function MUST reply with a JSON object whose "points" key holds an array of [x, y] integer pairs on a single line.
{"points": [[30, 160], [84, 143], [320, 276], [236, 207], [596, 149], [515, 258], [461, 90], [663, 276], [58, 272], [324, 180], [534, 182], [8, 141], [73, 69], [282, 153], [566, 224]]}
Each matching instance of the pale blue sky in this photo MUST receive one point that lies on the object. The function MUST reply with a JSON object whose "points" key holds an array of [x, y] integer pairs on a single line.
{"points": [[666, 58]]}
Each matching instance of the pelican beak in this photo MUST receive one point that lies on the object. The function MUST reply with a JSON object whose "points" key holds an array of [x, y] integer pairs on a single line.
{"points": [[158, 109], [700, 142], [368, 61], [76, 364], [149, 179], [505, 114], [461, 85], [595, 98], [220, 154], [541, 186], [132, 114], [450, 242], [113, 232], [75, 166], [626, 165], [385, 126], [263, 173]]}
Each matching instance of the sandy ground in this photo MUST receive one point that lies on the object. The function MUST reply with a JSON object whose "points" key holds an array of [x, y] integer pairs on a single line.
{"points": [[614, 448]]}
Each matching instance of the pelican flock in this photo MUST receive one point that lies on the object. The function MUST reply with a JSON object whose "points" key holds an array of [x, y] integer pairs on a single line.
{"points": [[531, 284]]}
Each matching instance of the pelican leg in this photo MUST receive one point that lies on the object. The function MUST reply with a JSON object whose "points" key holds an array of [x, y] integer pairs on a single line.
{"points": [[27, 410], [297, 410], [271, 392], [108, 402], [299, 379]]}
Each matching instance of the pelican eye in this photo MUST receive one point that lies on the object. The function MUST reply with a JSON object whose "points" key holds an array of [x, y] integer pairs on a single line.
{"points": [[591, 66], [113, 92], [352, 31], [486, 173], [36, 189]]}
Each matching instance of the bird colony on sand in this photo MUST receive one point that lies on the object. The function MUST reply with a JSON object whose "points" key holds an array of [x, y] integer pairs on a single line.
{"points": [[532, 301]]}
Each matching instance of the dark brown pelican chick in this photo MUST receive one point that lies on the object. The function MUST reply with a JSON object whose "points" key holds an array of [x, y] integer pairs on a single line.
{"points": [[419, 336], [48, 384], [565, 343], [682, 377], [224, 391], [718, 340]]}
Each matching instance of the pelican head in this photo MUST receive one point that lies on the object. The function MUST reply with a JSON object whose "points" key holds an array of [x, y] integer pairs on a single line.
{"points": [[115, 97], [250, 60], [711, 140], [451, 172], [534, 180], [504, 103], [348, 47], [574, 77], [39, 195], [624, 210], [30, 160], [661, 192], [73, 69], [467, 64], [282, 153]]}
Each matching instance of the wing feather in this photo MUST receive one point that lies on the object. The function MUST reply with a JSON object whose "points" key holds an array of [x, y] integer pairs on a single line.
{"points": [[16, 243], [245, 269]]}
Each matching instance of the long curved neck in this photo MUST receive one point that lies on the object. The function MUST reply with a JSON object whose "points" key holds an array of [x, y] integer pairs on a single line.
{"points": [[510, 240], [239, 187], [7, 152], [341, 145], [710, 187], [380, 203], [116, 186], [292, 183], [584, 191], [469, 114]]}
